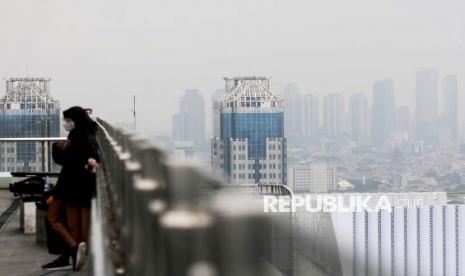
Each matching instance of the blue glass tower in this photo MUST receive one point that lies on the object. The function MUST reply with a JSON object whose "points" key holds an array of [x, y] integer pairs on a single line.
{"points": [[27, 110], [249, 146]]}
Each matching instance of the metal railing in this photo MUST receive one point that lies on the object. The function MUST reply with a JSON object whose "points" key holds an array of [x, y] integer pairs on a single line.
{"points": [[154, 217]]}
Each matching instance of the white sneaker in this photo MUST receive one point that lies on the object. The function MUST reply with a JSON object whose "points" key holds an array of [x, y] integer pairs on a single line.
{"points": [[80, 256]]}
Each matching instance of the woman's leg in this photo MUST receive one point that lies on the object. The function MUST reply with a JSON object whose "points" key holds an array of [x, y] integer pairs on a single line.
{"points": [[85, 224], [73, 219], [56, 221]]}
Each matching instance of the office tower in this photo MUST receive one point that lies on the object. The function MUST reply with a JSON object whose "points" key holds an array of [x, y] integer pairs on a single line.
{"points": [[333, 115], [27, 110], [359, 117], [251, 147], [192, 106], [311, 117], [403, 119], [383, 111], [302, 113], [181, 122], [450, 88], [426, 106], [293, 106], [216, 103], [315, 178]]}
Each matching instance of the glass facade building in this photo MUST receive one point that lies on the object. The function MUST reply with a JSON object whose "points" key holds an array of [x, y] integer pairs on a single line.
{"points": [[26, 110], [250, 147]]}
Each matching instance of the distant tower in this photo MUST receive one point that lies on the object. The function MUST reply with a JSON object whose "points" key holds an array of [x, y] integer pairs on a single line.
{"points": [[192, 111], [181, 123], [27, 110], [311, 115], [293, 105], [359, 117], [382, 123], [450, 87], [403, 119], [333, 117], [216, 105], [426, 106], [251, 147]]}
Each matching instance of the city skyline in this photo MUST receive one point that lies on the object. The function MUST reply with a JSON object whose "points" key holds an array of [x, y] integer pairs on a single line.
{"points": [[315, 117], [122, 49]]}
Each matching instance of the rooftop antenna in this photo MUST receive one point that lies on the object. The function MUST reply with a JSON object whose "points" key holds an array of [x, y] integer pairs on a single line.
{"points": [[134, 121]]}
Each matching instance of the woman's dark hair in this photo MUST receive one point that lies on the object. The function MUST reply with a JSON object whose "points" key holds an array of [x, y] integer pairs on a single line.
{"points": [[80, 118]]}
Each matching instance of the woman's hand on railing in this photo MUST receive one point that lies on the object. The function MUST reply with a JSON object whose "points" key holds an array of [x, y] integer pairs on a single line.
{"points": [[63, 144], [92, 165]]}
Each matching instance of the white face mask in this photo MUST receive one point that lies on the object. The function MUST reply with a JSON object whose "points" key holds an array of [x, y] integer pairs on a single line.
{"points": [[68, 125]]}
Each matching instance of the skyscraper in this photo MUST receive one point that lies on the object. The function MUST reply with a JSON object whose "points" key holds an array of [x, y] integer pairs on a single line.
{"points": [[450, 88], [359, 117], [426, 106], [292, 117], [192, 110], [181, 122], [251, 147], [302, 113], [382, 123], [216, 104], [403, 119], [27, 110], [311, 117], [333, 117]]}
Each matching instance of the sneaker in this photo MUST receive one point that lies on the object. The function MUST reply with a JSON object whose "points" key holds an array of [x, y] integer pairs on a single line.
{"points": [[62, 263], [80, 256]]}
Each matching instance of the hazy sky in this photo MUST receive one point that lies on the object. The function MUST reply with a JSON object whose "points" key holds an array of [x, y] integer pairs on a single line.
{"points": [[98, 53]]}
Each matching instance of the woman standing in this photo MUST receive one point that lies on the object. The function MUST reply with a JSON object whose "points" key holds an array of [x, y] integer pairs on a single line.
{"points": [[79, 157]]}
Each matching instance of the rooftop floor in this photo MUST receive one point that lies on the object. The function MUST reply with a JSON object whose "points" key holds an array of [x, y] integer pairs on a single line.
{"points": [[19, 253]]}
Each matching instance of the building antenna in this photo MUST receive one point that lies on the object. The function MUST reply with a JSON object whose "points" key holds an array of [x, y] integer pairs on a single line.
{"points": [[134, 120]]}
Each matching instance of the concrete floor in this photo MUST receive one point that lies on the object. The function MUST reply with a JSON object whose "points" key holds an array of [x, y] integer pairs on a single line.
{"points": [[19, 253]]}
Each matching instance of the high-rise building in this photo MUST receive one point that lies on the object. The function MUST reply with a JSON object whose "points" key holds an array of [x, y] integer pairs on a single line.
{"points": [[294, 108], [359, 117], [311, 115], [27, 110], [216, 103], [333, 115], [315, 178], [192, 110], [382, 123], [251, 147], [181, 122], [450, 88], [426, 106], [302, 113], [403, 119]]}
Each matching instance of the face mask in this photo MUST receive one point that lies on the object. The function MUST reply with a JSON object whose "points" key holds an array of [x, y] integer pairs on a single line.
{"points": [[68, 125]]}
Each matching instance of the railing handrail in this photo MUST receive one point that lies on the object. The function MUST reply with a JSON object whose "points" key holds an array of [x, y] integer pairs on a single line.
{"points": [[32, 139], [159, 207]]}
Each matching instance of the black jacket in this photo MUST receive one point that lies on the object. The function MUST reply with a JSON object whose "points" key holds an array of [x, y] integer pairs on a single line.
{"points": [[76, 184]]}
